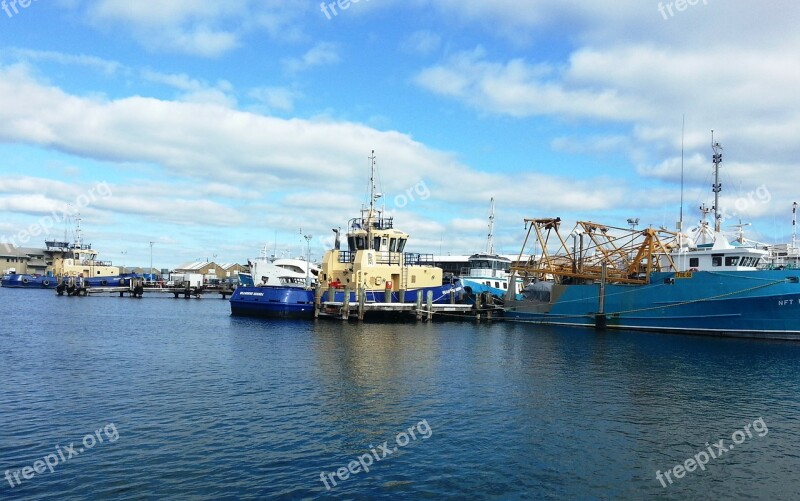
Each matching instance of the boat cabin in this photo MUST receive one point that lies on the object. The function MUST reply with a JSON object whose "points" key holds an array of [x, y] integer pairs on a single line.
{"points": [[719, 256]]}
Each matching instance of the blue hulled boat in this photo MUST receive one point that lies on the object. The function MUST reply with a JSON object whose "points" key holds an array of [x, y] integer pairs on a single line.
{"points": [[656, 280], [21, 281]]}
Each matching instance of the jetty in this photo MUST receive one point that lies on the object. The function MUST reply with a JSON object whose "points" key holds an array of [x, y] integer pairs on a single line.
{"points": [[136, 288], [482, 309]]}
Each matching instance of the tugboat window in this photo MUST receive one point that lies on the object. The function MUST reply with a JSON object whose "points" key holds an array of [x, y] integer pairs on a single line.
{"points": [[401, 244], [393, 245], [377, 243]]}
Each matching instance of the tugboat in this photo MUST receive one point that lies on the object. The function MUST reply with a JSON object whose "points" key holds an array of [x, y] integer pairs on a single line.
{"points": [[656, 280], [374, 263], [69, 260]]}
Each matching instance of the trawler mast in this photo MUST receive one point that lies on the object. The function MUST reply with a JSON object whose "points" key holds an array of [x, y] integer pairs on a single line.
{"points": [[717, 185]]}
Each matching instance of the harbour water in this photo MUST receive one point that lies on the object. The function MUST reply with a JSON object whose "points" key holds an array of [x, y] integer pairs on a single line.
{"points": [[180, 400]]}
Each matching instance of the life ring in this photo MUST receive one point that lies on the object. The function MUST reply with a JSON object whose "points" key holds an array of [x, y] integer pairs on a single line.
{"points": [[25, 280], [388, 284], [46, 283]]}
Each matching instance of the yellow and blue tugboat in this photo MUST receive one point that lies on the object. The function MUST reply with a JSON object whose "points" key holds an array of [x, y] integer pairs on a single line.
{"points": [[375, 262]]}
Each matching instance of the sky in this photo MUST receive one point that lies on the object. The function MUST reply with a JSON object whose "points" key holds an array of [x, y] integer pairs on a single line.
{"points": [[214, 129]]}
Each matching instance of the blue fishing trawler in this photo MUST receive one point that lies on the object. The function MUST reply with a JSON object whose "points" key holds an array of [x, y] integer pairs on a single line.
{"points": [[374, 263], [656, 280]]}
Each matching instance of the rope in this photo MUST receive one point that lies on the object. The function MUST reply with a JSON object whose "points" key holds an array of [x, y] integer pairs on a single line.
{"points": [[682, 303], [701, 300]]}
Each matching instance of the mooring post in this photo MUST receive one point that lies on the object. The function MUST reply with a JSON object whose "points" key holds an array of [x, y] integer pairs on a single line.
{"points": [[346, 304], [600, 316], [401, 296], [331, 294], [429, 304], [318, 292], [362, 299], [452, 296], [419, 305]]}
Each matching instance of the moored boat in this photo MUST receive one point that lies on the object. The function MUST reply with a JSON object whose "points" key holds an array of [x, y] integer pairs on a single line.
{"points": [[655, 280], [375, 264], [489, 272], [25, 281]]}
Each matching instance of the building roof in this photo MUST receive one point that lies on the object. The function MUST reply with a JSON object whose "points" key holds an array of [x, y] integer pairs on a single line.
{"points": [[196, 265], [11, 250], [228, 266]]}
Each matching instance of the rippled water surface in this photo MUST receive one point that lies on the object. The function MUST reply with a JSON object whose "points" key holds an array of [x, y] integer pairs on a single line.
{"points": [[190, 402]]}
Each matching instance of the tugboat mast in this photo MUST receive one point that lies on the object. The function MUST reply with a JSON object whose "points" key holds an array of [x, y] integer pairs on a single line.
{"points": [[717, 185], [372, 188], [489, 244]]}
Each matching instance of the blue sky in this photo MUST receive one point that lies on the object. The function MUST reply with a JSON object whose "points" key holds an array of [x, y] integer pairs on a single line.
{"points": [[219, 127]]}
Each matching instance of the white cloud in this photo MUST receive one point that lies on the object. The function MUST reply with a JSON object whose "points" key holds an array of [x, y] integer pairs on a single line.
{"points": [[423, 42], [276, 98], [323, 53], [197, 27]]}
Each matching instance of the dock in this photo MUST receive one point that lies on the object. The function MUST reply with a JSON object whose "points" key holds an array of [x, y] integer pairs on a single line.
{"points": [[136, 288], [483, 309]]}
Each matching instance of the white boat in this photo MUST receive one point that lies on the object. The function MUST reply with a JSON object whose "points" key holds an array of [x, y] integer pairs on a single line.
{"points": [[268, 271], [490, 272]]}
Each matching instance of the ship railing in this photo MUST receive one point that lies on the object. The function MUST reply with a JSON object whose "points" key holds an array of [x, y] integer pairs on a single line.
{"points": [[416, 259], [375, 223]]}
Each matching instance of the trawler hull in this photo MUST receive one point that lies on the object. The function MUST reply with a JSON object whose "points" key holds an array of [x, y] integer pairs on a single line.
{"points": [[761, 303]]}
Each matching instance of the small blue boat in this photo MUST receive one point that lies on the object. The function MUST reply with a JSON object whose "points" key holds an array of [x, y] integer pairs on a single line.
{"points": [[273, 301], [23, 281]]}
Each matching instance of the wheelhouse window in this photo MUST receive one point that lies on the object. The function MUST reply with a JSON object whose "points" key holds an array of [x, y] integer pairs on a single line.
{"points": [[716, 259], [401, 244], [393, 245], [376, 243], [731, 260], [694, 262]]}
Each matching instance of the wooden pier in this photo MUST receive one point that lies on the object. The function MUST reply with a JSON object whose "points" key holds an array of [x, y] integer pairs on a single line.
{"points": [[483, 309], [136, 287]]}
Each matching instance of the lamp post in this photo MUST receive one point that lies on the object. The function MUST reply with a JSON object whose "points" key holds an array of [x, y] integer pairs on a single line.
{"points": [[151, 258]]}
